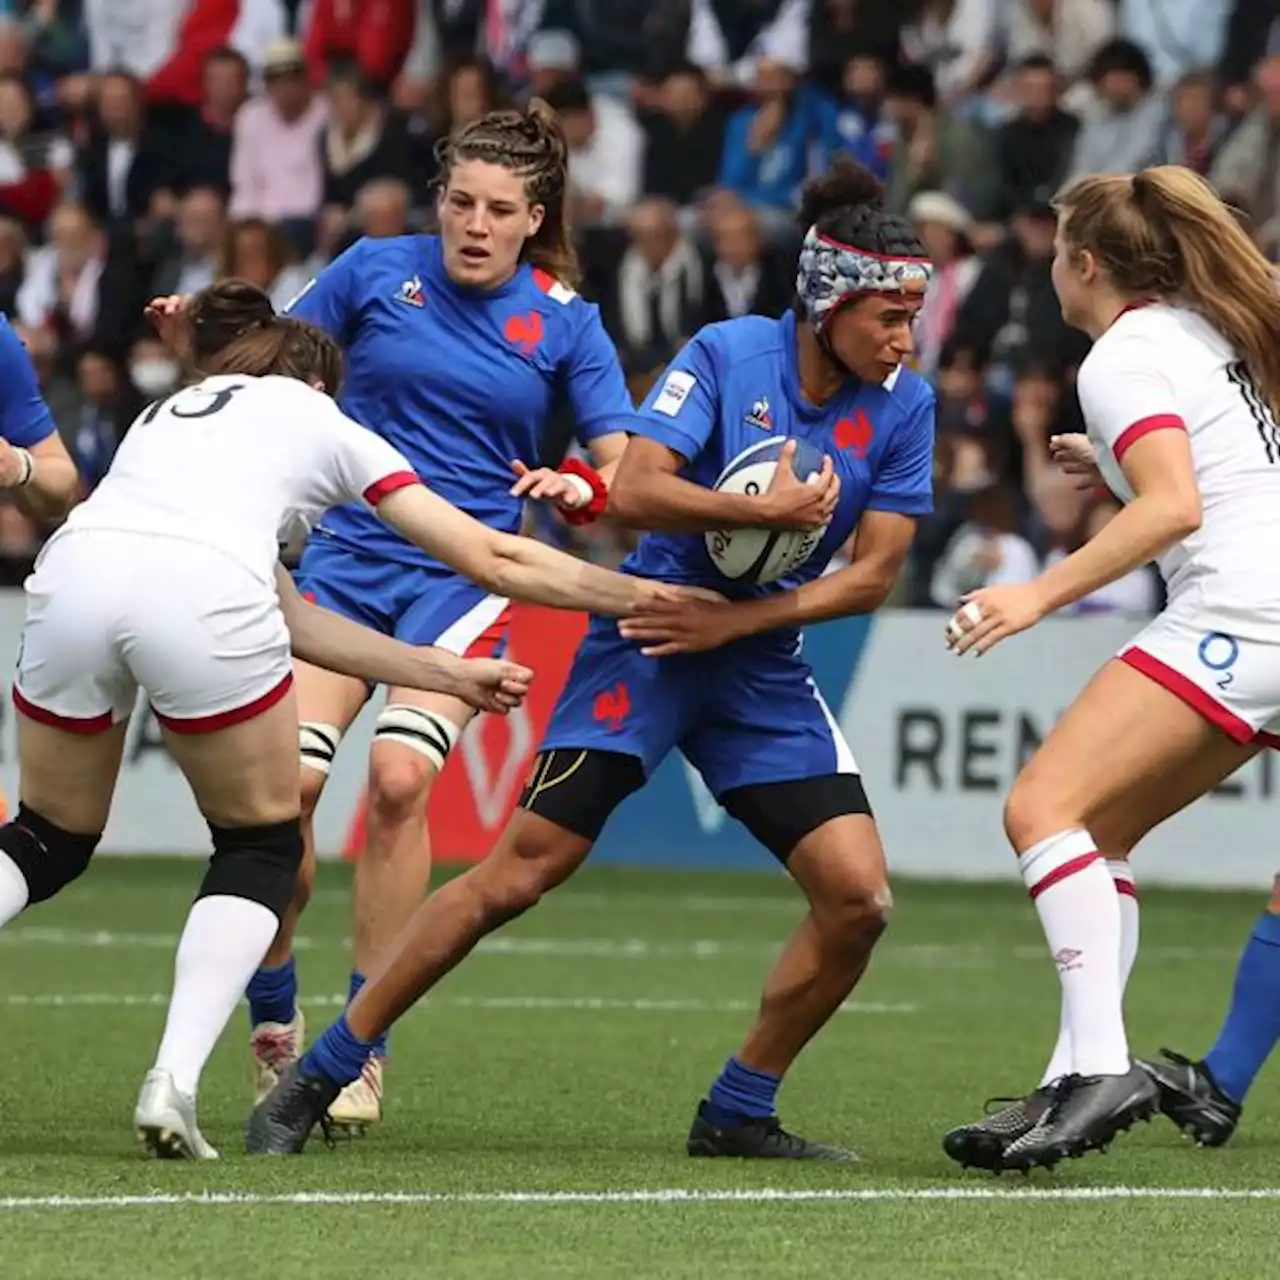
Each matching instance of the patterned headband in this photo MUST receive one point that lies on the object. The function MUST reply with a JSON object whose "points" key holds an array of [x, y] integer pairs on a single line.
{"points": [[831, 273]]}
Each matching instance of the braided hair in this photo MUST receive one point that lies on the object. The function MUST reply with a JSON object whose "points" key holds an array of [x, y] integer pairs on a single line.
{"points": [[847, 204], [531, 145]]}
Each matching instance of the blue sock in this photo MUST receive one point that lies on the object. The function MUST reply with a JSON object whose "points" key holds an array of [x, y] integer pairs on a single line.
{"points": [[338, 1054], [1253, 1021], [741, 1093], [273, 993], [379, 1044]]}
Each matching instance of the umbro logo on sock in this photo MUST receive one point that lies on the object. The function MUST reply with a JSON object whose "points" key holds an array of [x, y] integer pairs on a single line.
{"points": [[1066, 959]]}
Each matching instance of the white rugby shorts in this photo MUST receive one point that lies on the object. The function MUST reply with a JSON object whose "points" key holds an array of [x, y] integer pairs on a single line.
{"points": [[1232, 682], [109, 612]]}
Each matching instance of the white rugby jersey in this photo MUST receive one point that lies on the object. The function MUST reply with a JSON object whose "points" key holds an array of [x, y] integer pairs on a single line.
{"points": [[1165, 367], [237, 463]]}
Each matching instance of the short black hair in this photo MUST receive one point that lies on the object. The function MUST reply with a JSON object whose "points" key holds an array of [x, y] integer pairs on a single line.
{"points": [[1122, 55], [1037, 62], [568, 95], [908, 80]]}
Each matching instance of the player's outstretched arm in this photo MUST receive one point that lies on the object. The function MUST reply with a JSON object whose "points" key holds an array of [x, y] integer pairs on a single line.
{"points": [[328, 640], [520, 568]]}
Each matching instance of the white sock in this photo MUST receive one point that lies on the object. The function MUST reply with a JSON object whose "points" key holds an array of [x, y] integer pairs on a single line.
{"points": [[1079, 910], [14, 892], [1061, 1063], [221, 946]]}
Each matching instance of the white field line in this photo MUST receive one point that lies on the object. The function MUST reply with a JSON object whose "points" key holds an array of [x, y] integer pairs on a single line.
{"points": [[117, 1000], [663, 1196], [910, 955]]}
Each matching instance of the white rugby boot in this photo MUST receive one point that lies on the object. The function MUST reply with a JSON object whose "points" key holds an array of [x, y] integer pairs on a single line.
{"points": [[165, 1120], [359, 1105], [275, 1045]]}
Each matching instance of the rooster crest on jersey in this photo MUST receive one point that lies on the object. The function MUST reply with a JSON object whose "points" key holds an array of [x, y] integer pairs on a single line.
{"points": [[760, 415], [411, 292]]}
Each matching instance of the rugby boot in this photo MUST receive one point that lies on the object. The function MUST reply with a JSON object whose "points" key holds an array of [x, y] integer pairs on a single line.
{"points": [[981, 1145], [165, 1121], [282, 1122], [1191, 1098], [761, 1138], [275, 1045]]}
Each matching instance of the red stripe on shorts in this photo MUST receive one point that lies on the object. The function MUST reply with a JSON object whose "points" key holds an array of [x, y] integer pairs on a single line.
{"points": [[68, 724], [487, 642], [225, 719], [1191, 693]]}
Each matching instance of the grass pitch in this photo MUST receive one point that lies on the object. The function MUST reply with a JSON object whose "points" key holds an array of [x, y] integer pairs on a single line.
{"points": [[537, 1107]]}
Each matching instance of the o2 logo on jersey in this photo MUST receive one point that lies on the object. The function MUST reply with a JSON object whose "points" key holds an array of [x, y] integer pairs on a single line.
{"points": [[1219, 651]]}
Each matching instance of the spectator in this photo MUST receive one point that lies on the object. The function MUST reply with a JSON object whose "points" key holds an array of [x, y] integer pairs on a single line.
{"points": [[1122, 131], [945, 227], [124, 174], [744, 276], [192, 263], [363, 139], [152, 369], [1176, 34], [137, 36], [13, 253], [957, 41], [1012, 310], [35, 167], [202, 138], [606, 153], [1247, 169], [842, 29], [1066, 32], [554, 57], [376, 34], [684, 138], [937, 151], [108, 405], [1035, 148], [61, 292], [729, 38], [382, 208], [766, 146], [470, 89], [659, 288], [856, 122], [987, 550], [276, 172], [254, 250], [1196, 129]]}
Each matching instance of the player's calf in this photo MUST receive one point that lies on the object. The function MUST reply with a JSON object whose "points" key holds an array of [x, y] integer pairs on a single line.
{"points": [[38, 859]]}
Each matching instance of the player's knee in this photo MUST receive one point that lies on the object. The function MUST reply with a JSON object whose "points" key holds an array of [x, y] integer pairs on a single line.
{"points": [[1029, 812], [48, 857], [399, 781], [856, 913], [527, 864], [260, 864]]}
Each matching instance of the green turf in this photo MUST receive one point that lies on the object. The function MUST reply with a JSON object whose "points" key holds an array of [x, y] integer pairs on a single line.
{"points": [[490, 1092]]}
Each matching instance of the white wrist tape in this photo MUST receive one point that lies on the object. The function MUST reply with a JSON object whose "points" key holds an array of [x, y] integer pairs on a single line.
{"points": [[580, 486]]}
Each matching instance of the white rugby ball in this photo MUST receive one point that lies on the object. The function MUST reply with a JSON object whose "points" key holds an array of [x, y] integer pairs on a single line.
{"points": [[763, 555]]}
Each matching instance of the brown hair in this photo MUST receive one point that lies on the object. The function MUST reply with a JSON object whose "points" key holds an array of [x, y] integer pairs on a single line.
{"points": [[233, 328], [531, 145], [1164, 233]]}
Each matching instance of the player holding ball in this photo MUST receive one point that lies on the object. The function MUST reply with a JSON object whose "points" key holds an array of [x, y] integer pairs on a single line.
{"points": [[849, 435]]}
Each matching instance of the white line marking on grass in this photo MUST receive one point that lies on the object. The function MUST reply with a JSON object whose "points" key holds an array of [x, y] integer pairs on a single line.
{"points": [[909, 955], [110, 1000], [668, 1195]]}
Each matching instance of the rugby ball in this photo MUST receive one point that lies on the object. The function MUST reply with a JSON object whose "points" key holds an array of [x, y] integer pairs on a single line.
{"points": [[763, 555]]}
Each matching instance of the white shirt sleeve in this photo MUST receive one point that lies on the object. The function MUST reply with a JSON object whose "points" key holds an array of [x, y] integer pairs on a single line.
{"points": [[1125, 393], [354, 462]]}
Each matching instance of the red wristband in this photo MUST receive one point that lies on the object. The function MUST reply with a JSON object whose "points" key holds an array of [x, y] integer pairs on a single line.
{"points": [[593, 510]]}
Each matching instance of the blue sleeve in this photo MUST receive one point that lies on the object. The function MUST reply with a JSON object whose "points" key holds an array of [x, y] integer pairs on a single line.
{"points": [[332, 299], [597, 388], [683, 407], [904, 480], [24, 416]]}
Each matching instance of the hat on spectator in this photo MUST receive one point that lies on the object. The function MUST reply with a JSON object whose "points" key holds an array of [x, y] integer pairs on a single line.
{"points": [[283, 56], [554, 50], [1037, 204], [939, 207]]}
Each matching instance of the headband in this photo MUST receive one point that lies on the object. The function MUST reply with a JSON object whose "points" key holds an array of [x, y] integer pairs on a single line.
{"points": [[831, 273]]}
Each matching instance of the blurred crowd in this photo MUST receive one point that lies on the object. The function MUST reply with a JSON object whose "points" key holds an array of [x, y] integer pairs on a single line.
{"points": [[151, 146]]}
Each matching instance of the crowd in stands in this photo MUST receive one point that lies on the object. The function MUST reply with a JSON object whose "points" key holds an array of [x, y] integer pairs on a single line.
{"points": [[151, 146]]}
